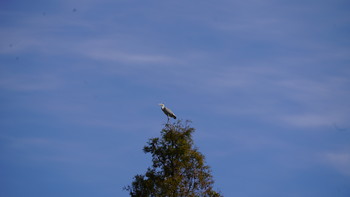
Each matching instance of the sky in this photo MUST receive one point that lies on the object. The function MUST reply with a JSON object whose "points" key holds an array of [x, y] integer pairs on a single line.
{"points": [[266, 85]]}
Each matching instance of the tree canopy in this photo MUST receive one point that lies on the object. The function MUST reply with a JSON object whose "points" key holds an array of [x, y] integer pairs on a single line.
{"points": [[178, 169]]}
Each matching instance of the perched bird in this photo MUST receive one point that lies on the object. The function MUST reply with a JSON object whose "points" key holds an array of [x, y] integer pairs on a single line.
{"points": [[167, 112]]}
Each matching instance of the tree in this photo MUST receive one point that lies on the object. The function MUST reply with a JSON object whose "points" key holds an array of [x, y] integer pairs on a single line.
{"points": [[178, 168]]}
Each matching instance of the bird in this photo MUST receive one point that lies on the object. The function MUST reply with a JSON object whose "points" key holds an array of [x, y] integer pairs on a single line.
{"points": [[167, 111]]}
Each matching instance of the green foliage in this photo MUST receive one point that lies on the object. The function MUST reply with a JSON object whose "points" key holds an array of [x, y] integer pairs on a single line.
{"points": [[178, 167]]}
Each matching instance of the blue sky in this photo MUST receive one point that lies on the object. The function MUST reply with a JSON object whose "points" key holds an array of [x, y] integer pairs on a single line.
{"points": [[266, 84]]}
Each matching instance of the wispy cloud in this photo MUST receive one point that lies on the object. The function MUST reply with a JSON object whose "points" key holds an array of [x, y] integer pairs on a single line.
{"points": [[59, 151], [110, 50], [29, 82], [309, 120], [339, 160]]}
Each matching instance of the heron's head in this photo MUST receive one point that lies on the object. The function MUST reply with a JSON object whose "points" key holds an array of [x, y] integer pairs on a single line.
{"points": [[161, 104]]}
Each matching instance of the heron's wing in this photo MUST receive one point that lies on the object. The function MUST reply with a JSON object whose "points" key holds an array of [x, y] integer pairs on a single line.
{"points": [[168, 111]]}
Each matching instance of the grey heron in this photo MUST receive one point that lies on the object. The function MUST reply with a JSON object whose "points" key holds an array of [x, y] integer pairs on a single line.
{"points": [[167, 111]]}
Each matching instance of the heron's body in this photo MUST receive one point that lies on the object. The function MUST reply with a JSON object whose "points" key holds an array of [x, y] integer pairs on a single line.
{"points": [[168, 112]]}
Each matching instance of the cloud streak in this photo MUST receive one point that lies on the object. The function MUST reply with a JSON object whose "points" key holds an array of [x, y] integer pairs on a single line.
{"points": [[28, 82], [340, 161]]}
